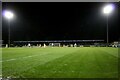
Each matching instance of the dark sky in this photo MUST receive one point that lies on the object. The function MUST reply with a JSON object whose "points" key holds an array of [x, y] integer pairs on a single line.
{"points": [[60, 21]]}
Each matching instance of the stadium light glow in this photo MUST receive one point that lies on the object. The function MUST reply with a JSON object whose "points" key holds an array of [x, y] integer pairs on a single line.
{"points": [[8, 14], [108, 9]]}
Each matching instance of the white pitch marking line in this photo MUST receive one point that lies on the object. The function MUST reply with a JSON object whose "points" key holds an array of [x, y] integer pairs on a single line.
{"points": [[20, 58], [10, 59], [16, 59]]}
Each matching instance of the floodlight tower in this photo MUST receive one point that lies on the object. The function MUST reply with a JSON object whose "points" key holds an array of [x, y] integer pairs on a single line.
{"points": [[8, 15], [107, 10]]}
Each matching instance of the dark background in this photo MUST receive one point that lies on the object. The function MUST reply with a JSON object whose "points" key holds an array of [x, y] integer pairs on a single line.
{"points": [[59, 21]]}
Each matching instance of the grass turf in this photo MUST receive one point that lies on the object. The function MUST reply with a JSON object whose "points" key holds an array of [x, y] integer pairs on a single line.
{"points": [[64, 62]]}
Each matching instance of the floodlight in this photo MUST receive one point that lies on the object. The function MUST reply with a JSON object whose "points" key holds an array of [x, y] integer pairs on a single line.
{"points": [[8, 14], [108, 8]]}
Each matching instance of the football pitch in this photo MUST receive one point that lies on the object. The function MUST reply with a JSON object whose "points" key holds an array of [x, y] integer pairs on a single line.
{"points": [[60, 62]]}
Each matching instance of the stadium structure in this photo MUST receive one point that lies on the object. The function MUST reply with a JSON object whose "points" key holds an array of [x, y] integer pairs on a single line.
{"points": [[61, 43]]}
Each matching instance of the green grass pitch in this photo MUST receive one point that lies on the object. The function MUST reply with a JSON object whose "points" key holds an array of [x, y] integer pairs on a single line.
{"points": [[60, 62]]}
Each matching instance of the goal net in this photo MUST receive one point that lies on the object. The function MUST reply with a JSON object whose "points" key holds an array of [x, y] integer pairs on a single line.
{"points": [[54, 44]]}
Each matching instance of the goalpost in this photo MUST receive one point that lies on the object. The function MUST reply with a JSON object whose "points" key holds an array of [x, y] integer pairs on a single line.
{"points": [[54, 44]]}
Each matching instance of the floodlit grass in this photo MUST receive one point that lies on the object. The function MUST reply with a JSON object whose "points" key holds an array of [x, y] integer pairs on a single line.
{"points": [[64, 62]]}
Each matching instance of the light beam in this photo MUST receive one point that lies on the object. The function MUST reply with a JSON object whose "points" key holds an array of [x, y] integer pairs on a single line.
{"points": [[108, 9], [8, 14]]}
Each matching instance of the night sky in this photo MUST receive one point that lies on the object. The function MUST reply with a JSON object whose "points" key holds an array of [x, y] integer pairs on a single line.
{"points": [[59, 21]]}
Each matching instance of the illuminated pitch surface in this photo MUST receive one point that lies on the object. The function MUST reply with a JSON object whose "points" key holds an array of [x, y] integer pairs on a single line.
{"points": [[65, 62]]}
